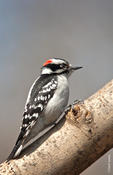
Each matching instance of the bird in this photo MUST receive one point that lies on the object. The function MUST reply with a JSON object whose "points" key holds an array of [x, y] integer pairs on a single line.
{"points": [[46, 101]]}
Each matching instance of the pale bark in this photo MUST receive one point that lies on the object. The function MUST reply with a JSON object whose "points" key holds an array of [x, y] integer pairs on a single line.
{"points": [[73, 145]]}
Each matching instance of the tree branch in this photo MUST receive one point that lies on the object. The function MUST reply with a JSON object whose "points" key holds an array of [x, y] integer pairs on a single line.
{"points": [[74, 144]]}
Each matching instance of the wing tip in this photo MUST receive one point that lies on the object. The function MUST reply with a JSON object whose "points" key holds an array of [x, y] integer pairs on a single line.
{"points": [[15, 152]]}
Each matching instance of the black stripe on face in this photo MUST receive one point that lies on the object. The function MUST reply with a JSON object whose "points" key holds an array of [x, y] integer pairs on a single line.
{"points": [[54, 67]]}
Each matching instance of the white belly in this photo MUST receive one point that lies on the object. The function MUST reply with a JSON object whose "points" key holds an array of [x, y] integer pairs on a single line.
{"points": [[54, 108], [57, 104]]}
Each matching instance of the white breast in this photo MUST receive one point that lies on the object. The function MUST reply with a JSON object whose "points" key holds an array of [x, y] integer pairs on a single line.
{"points": [[56, 105]]}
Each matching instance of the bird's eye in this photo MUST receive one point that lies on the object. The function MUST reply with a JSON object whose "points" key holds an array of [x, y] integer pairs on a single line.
{"points": [[63, 65]]}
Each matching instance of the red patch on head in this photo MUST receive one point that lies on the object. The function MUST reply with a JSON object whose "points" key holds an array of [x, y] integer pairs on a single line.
{"points": [[47, 62]]}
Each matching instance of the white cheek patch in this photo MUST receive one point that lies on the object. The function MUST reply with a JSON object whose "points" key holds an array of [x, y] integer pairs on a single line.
{"points": [[46, 70]]}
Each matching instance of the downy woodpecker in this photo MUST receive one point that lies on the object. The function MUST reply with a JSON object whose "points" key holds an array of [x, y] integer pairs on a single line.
{"points": [[47, 99]]}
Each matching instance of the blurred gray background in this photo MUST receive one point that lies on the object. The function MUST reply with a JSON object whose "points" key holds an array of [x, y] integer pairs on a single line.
{"points": [[31, 31]]}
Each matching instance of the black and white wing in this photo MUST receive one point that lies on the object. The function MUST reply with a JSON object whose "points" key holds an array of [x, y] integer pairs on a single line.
{"points": [[40, 93]]}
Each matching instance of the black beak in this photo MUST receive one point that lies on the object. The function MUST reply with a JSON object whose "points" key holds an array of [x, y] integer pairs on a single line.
{"points": [[75, 68]]}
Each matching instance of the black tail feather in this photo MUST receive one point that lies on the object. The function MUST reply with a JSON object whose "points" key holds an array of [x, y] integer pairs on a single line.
{"points": [[16, 150], [18, 146]]}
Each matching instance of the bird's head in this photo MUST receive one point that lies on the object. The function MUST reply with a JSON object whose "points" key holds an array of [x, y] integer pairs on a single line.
{"points": [[58, 66]]}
